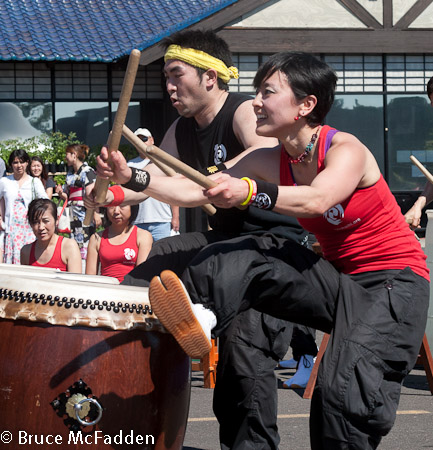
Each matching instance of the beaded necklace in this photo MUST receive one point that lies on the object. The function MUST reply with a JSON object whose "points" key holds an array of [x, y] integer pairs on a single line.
{"points": [[307, 151]]}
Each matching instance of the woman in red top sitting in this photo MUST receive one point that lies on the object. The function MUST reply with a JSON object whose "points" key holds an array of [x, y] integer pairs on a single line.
{"points": [[120, 247], [49, 249]]}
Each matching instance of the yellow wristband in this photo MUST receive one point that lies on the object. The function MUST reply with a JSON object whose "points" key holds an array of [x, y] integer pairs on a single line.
{"points": [[250, 193]]}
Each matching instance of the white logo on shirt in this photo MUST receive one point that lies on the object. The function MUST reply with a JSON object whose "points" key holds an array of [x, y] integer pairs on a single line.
{"points": [[129, 254], [334, 215], [219, 153]]}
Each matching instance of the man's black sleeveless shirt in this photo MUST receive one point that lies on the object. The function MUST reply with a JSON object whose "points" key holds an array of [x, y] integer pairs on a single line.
{"points": [[200, 148]]}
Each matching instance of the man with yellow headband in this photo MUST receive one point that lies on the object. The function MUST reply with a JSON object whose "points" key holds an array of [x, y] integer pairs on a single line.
{"points": [[214, 127]]}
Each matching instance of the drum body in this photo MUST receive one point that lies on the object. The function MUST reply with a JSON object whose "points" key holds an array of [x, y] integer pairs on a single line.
{"points": [[137, 377]]}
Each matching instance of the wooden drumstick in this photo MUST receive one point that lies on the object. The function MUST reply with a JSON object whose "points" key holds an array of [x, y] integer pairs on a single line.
{"points": [[169, 171], [141, 148], [426, 173], [101, 184], [182, 168]]}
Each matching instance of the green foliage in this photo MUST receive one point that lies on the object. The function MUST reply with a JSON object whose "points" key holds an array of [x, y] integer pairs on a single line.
{"points": [[60, 179], [50, 147], [128, 151]]}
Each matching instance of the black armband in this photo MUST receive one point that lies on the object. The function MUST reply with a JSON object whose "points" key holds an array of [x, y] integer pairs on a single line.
{"points": [[213, 169], [267, 194], [139, 181]]}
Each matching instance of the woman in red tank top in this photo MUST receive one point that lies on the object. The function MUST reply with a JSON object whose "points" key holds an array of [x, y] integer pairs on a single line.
{"points": [[116, 250], [49, 249]]}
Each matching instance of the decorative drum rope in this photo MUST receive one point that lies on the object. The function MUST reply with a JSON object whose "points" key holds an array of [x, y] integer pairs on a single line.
{"points": [[45, 295]]}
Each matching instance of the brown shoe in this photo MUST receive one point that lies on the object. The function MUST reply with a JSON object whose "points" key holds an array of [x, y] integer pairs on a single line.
{"points": [[171, 303]]}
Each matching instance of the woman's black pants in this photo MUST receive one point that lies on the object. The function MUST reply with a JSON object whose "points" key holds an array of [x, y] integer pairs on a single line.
{"points": [[376, 320]]}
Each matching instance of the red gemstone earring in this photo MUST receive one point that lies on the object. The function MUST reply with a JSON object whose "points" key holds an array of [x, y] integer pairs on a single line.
{"points": [[297, 118]]}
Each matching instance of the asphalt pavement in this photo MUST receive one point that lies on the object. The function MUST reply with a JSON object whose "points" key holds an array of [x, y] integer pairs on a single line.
{"points": [[413, 429]]}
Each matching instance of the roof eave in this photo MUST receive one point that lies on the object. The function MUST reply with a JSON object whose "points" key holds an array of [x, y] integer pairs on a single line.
{"points": [[215, 22]]}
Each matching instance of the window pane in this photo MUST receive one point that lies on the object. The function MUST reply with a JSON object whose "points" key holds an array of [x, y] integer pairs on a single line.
{"points": [[361, 115], [24, 120], [410, 124], [132, 117], [89, 120]]}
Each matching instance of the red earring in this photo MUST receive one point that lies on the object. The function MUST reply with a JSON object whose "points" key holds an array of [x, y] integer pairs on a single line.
{"points": [[297, 118]]}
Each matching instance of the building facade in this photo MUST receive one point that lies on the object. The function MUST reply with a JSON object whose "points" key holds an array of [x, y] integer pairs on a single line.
{"points": [[380, 49]]}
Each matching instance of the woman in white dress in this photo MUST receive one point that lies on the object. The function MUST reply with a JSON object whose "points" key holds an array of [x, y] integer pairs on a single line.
{"points": [[18, 190]]}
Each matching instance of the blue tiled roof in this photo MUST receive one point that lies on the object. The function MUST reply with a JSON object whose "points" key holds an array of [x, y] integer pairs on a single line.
{"points": [[93, 30]]}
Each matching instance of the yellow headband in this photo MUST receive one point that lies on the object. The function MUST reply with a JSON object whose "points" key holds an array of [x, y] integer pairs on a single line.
{"points": [[202, 60]]}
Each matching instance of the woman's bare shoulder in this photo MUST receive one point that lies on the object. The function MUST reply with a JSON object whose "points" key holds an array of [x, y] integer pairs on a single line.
{"points": [[144, 234], [69, 243]]}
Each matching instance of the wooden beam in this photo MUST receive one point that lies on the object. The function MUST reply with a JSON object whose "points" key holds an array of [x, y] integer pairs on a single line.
{"points": [[361, 13], [215, 21], [413, 13], [327, 41], [387, 14]]}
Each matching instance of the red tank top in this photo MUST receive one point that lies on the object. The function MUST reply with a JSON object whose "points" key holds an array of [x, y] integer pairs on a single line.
{"points": [[56, 260], [367, 231], [118, 260]]}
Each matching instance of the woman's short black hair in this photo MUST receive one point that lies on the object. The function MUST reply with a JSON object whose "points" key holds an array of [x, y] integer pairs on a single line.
{"points": [[306, 75], [22, 155], [38, 207], [134, 213]]}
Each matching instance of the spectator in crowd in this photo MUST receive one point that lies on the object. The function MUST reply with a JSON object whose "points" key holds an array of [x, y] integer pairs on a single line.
{"points": [[80, 180], [49, 249], [38, 170], [120, 247], [157, 217], [17, 191]]}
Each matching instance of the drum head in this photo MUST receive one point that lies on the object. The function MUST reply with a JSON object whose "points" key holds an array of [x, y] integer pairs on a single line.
{"points": [[62, 298]]}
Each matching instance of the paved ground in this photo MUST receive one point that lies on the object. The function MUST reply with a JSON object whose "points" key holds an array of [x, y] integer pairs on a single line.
{"points": [[413, 429]]}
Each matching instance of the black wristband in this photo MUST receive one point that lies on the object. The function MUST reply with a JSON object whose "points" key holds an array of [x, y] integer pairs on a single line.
{"points": [[267, 194], [139, 181], [213, 169]]}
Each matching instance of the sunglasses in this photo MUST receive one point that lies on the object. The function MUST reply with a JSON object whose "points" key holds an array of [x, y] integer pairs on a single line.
{"points": [[143, 138]]}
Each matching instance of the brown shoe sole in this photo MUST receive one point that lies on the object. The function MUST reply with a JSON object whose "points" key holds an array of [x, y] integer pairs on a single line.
{"points": [[172, 307]]}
